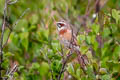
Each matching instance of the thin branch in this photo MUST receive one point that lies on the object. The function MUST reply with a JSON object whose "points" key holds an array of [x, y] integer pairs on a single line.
{"points": [[102, 5], [14, 25], [87, 8], [61, 49], [64, 62], [7, 39], [11, 72], [2, 34], [12, 2], [49, 63]]}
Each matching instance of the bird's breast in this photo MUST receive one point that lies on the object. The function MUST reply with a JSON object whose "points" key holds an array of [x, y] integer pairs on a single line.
{"points": [[65, 34]]}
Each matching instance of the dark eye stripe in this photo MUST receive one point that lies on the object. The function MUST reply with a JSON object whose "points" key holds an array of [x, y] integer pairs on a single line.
{"points": [[61, 24]]}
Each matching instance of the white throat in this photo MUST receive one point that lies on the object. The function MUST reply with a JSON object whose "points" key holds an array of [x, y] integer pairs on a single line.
{"points": [[61, 28]]}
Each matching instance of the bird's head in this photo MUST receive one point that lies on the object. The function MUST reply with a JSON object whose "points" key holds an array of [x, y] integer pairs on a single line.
{"points": [[61, 25]]}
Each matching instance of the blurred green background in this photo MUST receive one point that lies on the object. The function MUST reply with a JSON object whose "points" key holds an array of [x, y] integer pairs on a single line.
{"points": [[34, 40]]}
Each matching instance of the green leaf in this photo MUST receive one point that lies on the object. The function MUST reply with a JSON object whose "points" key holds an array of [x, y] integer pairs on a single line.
{"points": [[78, 73], [71, 69], [84, 49], [102, 71], [24, 40], [20, 68], [80, 38], [56, 66], [95, 65], [114, 28], [5, 64], [88, 40], [106, 32], [116, 15], [116, 52], [113, 65], [16, 74], [44, 68], [93, 39], [6, 33], [56, 46], [8, 54], [95, 45], [89, 71], [32, 27], [22, 25], [95, 28], [35, 65], [25, 44], [14, 38], [106, 77], [34, 19]]}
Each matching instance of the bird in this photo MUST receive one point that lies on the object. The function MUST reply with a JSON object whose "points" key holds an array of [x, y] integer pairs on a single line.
{"points": [[66, 35], [68, 38]]}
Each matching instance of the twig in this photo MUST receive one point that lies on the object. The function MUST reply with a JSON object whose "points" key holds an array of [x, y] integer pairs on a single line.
{"points": [[102, 5], [11, 72], [13, 2], [14, 25], [61, 53], [87, 8], [61, 49], [62, 69], [64, 61], [2, 34], [97, 6], [49, 63], [7, 39]]}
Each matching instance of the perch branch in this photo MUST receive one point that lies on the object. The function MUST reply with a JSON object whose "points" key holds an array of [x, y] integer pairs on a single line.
{"points": [[64, 62]]}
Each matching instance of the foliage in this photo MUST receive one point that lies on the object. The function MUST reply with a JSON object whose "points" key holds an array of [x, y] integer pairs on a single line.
{"points": [[34, 42]]}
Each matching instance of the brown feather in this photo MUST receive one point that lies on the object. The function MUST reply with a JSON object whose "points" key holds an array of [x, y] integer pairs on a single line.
{"points": [[66, 34], [62, 31]]}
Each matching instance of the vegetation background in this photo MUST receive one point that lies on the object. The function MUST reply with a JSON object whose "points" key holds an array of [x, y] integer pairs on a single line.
{"points": [[33, 42]]}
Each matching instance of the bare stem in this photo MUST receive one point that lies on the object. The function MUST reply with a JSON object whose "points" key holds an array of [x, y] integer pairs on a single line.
{"points": [[2, 34], [13, 2], [14, 25], [12, 71], [49, 62], [64, 62]]}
